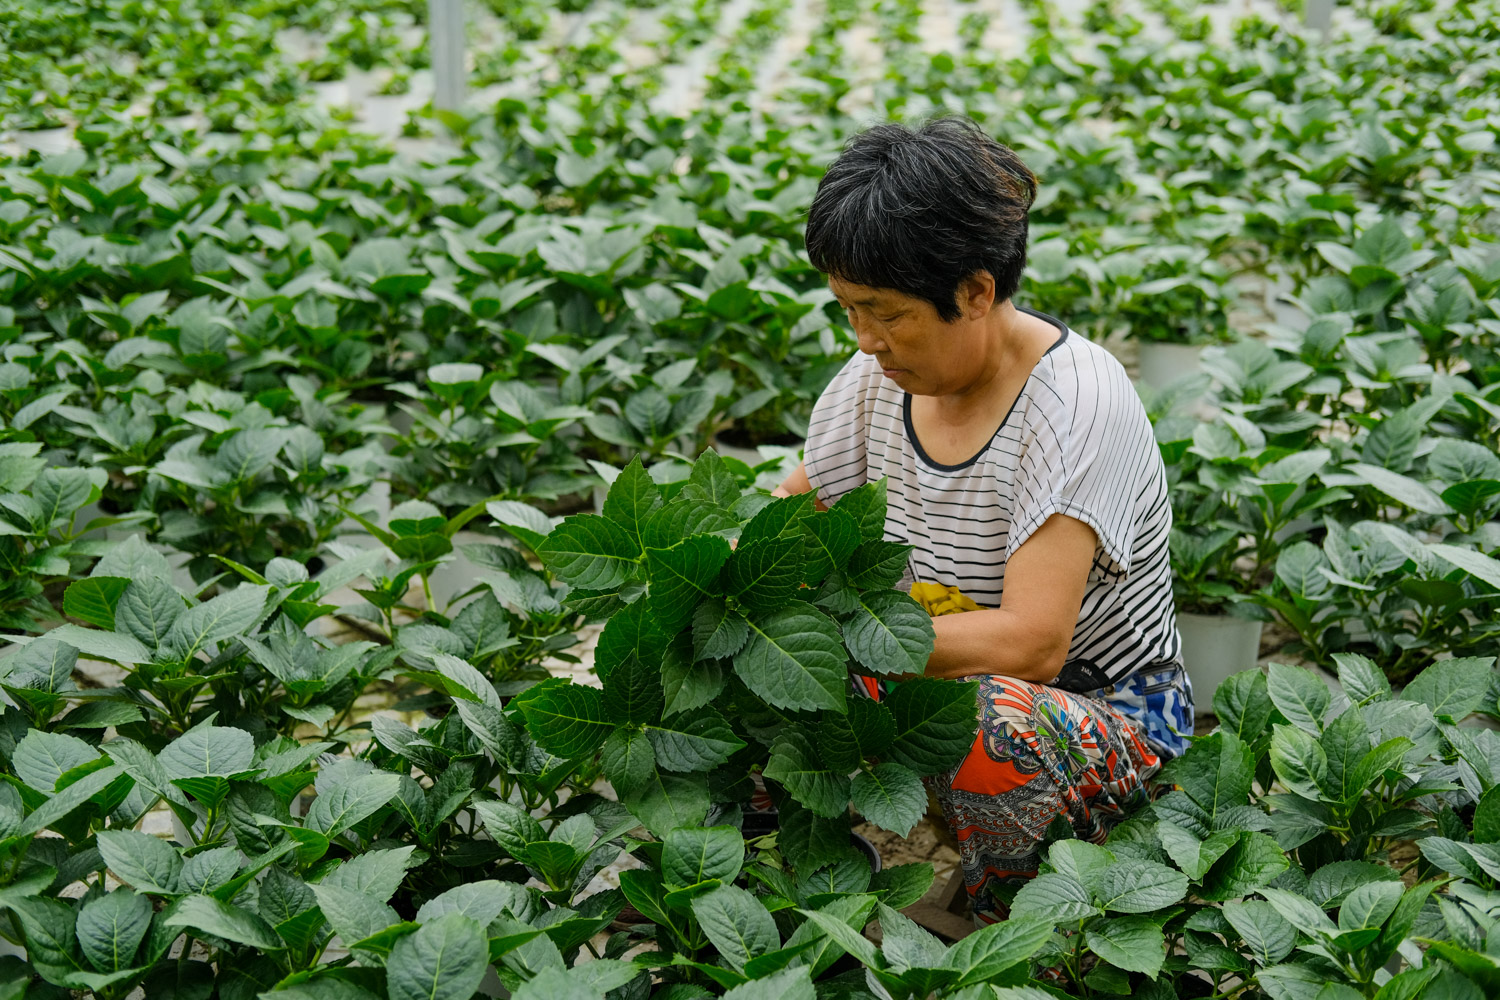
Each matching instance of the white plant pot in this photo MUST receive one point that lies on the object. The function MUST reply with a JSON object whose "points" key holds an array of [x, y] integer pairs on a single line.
{"points": [[1214, 647], [1162, 364]]}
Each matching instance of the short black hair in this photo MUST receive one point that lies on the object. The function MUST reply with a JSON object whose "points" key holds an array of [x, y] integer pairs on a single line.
{"points": [[921, 210]]}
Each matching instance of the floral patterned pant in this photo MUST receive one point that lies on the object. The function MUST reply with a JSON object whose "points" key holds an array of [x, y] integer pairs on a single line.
{"points": [[1039, 753]]}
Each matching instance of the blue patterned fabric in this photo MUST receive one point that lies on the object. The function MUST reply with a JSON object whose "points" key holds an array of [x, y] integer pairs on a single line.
{"points": [[1160, 701]]}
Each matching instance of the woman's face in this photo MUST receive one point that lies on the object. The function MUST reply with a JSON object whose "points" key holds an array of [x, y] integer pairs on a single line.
{"points": [[915, 348]]}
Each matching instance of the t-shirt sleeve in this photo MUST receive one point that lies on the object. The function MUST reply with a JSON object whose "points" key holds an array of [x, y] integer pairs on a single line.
{"points": [[1090, 456], [834, 454]]}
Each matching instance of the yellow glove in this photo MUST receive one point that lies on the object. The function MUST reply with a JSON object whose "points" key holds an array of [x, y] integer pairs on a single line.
{"points": [[937, 599]]}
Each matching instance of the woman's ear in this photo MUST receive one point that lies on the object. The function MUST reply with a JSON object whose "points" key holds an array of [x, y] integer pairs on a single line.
{"points": [[976, 295]]}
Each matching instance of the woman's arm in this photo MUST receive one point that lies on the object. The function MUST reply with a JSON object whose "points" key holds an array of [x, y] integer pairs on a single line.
{"points": [[797, 483], [1027, 637]]}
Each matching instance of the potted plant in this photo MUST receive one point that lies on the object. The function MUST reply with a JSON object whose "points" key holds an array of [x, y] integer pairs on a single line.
{"points": [[1174, 301]]}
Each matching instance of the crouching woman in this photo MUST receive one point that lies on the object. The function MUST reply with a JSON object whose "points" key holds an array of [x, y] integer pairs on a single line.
{"points": [[1023, 471]]}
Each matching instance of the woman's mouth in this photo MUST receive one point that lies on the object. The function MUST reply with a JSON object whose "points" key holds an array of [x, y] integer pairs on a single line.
{"points": [[893, 372]]}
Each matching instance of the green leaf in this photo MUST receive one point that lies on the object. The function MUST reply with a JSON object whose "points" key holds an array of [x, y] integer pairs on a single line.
{"points": [[1299, 696], [147, 610], [1345, 743], [93, 600], [628, 761], [1487, 817], [795, 764], [630, 634], [353, 915], [590, 552], [1361, 679], [102, 645], [72, 797], [935, 723], [444, 959], [788, 984], [795, 660], [1132, 943], [864, 733], [831, 538], [1243, 705], [351, 801], [782, 517], [207, 915], [1298, 761], [110, 929], [1253, 862], [206, 750], [700, 742], [565, 719], [737, 924], [1134, 885], [1402, 489], [1265, 933], [633, 691], [903, 885], [1193, 855], [890, 796], [669, 801], [41, 758], [878, 565], [687, 685], [684, 518], [1455, 687], [718, 632], [633, 497], [1056, 897], [1369, 905], [216, 619], [991, 950], [138, 859], [765, 574], [692, 855], [866, 505], [711, 481], [683, 575], [1215, 772], [512, 827], [889, 633]]}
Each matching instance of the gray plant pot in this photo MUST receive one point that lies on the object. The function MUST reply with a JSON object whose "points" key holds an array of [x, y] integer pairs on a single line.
{"points": [[1214, 647]]}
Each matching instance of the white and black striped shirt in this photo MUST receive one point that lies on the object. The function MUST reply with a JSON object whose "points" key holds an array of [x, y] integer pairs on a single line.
{"points": [[1077, 442]]}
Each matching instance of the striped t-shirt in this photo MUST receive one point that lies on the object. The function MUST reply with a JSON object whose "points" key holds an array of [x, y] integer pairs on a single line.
{"points": [[1076, 442]]}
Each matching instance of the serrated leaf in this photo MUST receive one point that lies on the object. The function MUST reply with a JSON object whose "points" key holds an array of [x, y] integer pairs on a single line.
{"points": [[1134, 885], [890, 796], [718, 631], [683, 575], [795, 764], [693, 855], [94, 599], [350, 802], [1455, 687], [697, 742], [1298, 695], [935, 723], [207, 915], [795, 659], [889, 633], [1132, 943], [590, 552], [831, 538], [628, 761], [877, 565], [565, 719], [216, 619], [110, 929], [737, 924], [444, 959], [147, 610], [765, 574]]}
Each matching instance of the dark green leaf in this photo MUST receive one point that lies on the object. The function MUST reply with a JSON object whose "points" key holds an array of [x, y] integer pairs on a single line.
{"points": [[889, 633], [936, 722], [565, 719], [795, 659], [590, 552], [683, 575], [890, 796]]}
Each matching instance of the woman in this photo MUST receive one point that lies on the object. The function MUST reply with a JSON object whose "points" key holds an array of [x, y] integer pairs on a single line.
{"points": [[1023, 470]]}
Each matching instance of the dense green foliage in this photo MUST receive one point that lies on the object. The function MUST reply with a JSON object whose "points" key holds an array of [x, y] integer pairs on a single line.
{"points": [[253, 358]]}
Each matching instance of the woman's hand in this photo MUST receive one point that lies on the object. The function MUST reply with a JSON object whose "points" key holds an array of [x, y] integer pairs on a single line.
{"points": [[1027, 637]]}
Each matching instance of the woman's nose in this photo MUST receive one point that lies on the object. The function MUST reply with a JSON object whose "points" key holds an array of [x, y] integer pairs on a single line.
{"points": [[868, 342]]}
